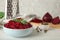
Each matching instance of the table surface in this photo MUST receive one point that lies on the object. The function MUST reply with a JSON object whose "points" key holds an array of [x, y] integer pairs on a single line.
{"points": [[53, 34]]}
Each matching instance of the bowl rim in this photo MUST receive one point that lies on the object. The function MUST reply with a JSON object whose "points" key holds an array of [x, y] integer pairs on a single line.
{"points": [[16, 29]]}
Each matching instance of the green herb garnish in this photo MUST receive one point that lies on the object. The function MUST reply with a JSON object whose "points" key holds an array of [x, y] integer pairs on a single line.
{"points": [[23, 22], [16, 20], [1, 15]]}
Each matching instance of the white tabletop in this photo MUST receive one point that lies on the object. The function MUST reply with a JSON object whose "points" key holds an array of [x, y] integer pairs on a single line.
{"points": [[50, 35]]}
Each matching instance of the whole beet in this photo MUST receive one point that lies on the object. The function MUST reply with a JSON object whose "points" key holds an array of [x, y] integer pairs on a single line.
{"points": [[47, 17]]}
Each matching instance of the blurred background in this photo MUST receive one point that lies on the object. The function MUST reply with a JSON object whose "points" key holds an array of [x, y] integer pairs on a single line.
{"points": [[38, 7], [2, 5]]}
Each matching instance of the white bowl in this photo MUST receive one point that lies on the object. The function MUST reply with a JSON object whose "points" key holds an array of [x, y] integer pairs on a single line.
{"points": [[18, 32], [44, 27]]}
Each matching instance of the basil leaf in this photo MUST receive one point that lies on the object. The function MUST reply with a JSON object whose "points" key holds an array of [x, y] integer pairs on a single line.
{"points": [[1, 15], [23, 22]]}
